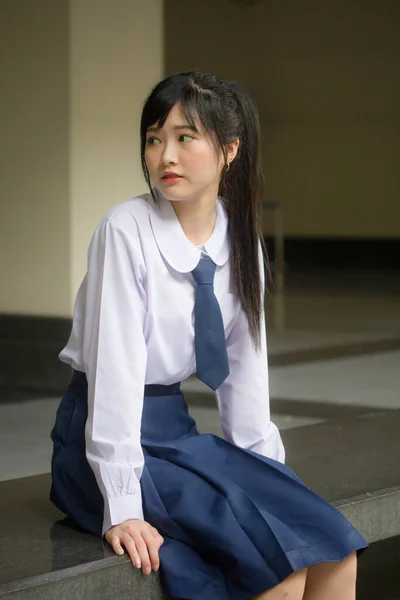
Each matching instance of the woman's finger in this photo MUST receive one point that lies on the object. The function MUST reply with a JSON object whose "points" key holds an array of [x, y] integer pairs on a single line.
{"points": [[130, 546], [154, 531], [116, 545], [157, 536], [152, 549], [141, 547]]}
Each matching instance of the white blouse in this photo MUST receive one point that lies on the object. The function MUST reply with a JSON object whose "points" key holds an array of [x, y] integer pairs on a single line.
{"points": [[133, 325]]}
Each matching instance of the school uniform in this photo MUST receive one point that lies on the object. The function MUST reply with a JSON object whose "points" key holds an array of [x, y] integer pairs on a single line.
{"points": [[235, 519]]}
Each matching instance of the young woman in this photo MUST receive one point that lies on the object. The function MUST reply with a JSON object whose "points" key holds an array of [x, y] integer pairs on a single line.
{"points": [[175, 286]]}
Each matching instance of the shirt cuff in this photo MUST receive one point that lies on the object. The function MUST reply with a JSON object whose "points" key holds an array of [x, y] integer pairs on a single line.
{"points": [[121, 508]]}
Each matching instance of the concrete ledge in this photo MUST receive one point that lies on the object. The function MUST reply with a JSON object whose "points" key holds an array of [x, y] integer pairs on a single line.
{"points": [[341, 459], [376, 515], [353, 463], [110, 577], [106, 579], [43, 556]]}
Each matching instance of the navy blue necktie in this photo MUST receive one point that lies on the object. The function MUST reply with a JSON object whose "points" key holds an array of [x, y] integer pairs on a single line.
{"points": [[211, 355]]}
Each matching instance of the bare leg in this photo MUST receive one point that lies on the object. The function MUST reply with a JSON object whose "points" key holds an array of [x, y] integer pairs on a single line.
{"points": [[332, 581], [291, 588]]}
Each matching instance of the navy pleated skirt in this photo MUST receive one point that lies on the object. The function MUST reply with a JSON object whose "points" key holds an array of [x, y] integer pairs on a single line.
{"points": [[235, 523]]}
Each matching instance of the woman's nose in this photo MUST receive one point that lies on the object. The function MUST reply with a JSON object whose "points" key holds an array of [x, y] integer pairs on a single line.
{"points": [[169, 155]]}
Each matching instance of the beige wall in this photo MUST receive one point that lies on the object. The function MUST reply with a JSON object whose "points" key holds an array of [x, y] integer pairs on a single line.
{"points": [[327, 81], [34, 204], [75, 73], [113, 66]]}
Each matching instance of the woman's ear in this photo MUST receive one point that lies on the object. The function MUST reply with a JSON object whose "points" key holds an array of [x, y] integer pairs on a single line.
{"points": [[232, 150]]}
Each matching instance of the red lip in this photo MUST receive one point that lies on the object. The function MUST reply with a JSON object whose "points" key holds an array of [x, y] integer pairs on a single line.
{"points": [[170, 175]]}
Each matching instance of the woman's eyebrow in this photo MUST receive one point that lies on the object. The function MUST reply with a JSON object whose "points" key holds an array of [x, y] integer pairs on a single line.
{"points": [[176, 128]]}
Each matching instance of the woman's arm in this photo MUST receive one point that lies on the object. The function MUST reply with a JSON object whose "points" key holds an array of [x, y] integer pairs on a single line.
{"points": [[114, 354], [243, 398]]}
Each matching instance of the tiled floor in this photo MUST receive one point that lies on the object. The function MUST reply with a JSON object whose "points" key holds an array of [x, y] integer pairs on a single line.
{"points": [[324, 311], [372, 380]]}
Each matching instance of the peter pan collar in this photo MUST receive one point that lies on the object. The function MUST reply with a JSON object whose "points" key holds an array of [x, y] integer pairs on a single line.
{"points": [[178, 251]]}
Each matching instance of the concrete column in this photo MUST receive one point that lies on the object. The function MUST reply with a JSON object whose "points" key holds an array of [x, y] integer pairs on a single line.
{"points": [[116, 55], [34, 158], [74, 75]]}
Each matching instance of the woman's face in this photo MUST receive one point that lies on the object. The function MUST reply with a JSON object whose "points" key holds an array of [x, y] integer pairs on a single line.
{"points": [[182, 163]]}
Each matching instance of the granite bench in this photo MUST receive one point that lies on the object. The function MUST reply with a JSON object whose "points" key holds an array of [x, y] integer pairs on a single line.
{"points": [[354, 462]]}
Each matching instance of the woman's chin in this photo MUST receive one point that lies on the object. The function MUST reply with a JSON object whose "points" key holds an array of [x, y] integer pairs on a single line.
{"points": [[174, 195]]}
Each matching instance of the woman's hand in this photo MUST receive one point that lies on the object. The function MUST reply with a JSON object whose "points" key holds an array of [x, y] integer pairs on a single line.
{"points": [[141, 541]]}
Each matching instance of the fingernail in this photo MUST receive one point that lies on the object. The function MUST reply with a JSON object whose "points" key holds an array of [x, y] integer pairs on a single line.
{"points": [[137, 564]]}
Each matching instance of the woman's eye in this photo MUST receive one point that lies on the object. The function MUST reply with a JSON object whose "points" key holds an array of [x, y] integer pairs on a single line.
{"points": [[152, 141], [186, 138]]}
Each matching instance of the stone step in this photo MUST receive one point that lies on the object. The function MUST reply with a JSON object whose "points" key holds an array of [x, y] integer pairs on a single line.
{"points": [[352, 462], [43, 557]]}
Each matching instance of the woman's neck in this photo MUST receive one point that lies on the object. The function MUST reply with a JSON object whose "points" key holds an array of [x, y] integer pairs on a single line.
{"points": [[197, 219]]}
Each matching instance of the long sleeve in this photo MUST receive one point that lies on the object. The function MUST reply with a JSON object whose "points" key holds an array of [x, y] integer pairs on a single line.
{"points": [[243, 398], [114, 356]]}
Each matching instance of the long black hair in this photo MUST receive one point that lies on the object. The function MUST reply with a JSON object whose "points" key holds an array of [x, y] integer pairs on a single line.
{"points": [[226, 113]]}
